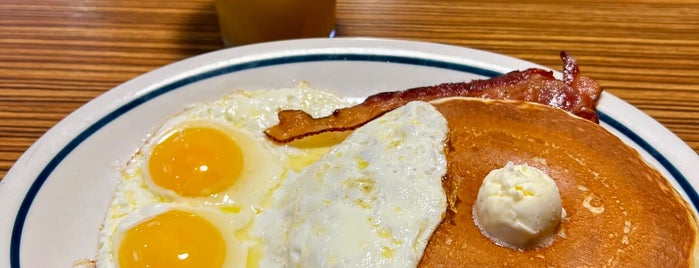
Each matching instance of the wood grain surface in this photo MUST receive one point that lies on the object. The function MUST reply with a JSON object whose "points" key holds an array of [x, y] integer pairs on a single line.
{"points": [[56, 55]]}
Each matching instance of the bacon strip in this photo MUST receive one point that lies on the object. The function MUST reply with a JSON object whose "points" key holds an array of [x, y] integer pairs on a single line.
{"points": [[574, 93]]}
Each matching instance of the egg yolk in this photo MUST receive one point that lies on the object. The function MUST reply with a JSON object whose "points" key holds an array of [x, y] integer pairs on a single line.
{"points": [[196, 161], [173, 239]]}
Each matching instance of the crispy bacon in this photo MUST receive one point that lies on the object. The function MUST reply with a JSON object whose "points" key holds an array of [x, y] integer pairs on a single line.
{"points": [[574, 93]]}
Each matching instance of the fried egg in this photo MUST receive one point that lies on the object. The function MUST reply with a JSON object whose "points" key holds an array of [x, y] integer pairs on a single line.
{"points": [[177, 235], [205, 175], [372, 201]]}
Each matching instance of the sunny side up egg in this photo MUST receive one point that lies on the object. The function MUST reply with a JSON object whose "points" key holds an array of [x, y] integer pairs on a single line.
{"points": [[189, 197]]}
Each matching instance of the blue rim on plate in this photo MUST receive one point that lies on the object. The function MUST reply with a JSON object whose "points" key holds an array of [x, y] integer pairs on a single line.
{"points": [[75, 142]]}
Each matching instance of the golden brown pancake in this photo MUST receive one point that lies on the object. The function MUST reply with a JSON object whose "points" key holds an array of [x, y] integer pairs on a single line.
{"points": [[620, 211]]}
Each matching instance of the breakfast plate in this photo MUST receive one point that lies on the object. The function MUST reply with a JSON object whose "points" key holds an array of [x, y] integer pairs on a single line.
{"points": [[54, 198]]}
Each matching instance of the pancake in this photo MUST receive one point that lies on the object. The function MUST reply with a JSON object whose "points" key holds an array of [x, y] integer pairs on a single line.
{"points": [[620, 211]]}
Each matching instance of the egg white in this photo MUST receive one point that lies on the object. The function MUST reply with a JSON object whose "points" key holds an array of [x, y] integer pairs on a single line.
{"points": [[372, 201]]}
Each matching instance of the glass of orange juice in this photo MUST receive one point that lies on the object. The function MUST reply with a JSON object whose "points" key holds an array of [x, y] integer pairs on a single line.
{"points": [[251, 21]]}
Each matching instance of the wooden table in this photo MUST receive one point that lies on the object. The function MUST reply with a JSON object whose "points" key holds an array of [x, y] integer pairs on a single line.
{"points": [[56, 55]]}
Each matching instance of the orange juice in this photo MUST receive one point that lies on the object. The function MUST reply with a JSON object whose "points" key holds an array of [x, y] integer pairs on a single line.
{"points": [[251, 21]]}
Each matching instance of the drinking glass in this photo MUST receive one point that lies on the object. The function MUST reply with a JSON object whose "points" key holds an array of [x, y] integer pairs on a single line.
{"points": [[251, 21]]}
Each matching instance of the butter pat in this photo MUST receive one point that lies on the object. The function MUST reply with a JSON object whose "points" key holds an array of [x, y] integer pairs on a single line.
{"points": [[519, 207]]}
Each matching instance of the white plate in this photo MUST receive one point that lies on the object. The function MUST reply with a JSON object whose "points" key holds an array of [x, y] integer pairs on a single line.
{"points": [[54, 198]]}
